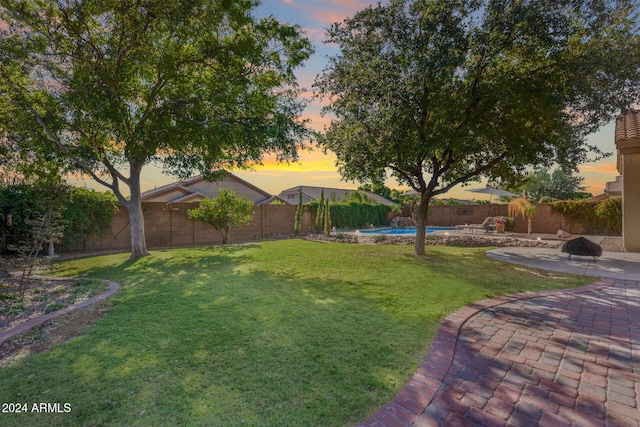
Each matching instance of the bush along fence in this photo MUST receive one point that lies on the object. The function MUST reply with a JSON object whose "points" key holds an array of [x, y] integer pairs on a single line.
{"points": [[79, 214], [575, 217], [353, 214], [603, 217]]}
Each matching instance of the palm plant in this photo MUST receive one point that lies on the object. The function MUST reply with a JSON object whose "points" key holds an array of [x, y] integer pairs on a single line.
{"points": [[522, 206]]}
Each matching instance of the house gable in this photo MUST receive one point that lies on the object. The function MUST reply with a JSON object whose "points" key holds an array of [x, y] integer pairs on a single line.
{"points": [[196, 189]]}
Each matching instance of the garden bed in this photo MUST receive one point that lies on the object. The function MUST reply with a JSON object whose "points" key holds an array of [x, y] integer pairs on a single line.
{"points": [[42, 296]]}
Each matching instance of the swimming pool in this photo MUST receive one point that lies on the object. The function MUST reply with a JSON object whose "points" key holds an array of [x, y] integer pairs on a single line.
{"points": [[404, 231]]}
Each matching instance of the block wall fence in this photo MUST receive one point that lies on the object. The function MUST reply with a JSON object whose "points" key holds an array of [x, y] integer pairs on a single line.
{"points": [[168, 226], [544, 220]]}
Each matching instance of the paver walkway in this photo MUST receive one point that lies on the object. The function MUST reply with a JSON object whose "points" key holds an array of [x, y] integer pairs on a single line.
{"points": [[554, 358]]}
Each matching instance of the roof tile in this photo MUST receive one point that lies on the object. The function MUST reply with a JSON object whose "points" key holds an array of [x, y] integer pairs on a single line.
{"points": [[628, 126]]}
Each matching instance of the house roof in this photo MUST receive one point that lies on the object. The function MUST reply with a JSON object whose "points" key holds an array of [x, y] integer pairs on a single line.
{"points": [[338, 194], [174, 186], [192, 197], [598, 198], [628, 126], [191, 190]]}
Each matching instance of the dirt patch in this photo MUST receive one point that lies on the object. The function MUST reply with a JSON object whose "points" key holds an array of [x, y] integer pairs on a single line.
{"points": [[41, 297], [42, 338]]}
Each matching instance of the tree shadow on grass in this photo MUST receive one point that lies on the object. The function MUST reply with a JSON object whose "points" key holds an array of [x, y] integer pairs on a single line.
{"points": [[203, 340]]}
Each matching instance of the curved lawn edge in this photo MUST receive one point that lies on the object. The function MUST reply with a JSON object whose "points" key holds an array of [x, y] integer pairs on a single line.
{"points": [[413, 399], [113, 287]]}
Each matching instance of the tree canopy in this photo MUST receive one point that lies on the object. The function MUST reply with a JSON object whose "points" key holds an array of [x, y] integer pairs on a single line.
{"points": [[556, 185], [112, 86], [442, 92]]}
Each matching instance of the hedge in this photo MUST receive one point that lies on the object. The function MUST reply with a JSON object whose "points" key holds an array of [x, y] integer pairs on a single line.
{"points": [[354, 214], [604, 216], [84, 213], [87, 213]]}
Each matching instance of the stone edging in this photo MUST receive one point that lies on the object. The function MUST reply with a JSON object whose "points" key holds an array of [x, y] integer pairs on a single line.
{"points": [[411, 402], [113, 287]]}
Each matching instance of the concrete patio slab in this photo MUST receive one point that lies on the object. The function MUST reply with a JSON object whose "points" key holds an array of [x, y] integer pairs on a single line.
{"points": [[615, 265]]}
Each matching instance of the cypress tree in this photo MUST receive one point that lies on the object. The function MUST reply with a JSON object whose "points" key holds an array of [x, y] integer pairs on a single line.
{"points": [[320, 213], [327, 219], [298, 224]]}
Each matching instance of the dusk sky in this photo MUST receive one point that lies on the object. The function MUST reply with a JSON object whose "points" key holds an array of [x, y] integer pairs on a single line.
{"points": [[317, 169]]}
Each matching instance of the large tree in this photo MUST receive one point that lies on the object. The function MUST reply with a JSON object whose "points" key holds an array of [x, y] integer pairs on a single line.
{"points": [[556, 185], [112, 86], [443, 92]]}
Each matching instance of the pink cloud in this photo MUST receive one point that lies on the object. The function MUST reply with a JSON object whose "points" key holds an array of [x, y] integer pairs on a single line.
{"points": [[352, 4], [600, 168]]}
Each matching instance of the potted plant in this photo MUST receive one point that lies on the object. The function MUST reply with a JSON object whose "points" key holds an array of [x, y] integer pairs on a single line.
{"points": [[499, 222]]}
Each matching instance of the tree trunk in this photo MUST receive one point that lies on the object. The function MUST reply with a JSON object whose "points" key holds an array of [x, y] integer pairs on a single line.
{"points": [[136, 220], [421, 225], [136, 217]]}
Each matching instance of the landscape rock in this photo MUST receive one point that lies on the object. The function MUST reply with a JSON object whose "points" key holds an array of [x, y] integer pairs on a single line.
{"points": [[402, 222]]}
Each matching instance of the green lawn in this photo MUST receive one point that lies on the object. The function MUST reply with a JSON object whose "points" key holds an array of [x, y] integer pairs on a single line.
{"points": [[286, 333]]}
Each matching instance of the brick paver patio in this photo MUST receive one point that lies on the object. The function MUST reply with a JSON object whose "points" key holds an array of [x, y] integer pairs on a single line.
{"points": [[555, 358]]}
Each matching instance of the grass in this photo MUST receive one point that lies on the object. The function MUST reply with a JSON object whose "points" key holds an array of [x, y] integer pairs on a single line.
{"points": [[286, 333]]}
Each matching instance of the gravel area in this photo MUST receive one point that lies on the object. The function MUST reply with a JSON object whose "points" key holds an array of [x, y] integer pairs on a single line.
{"points": [[458, 238]]}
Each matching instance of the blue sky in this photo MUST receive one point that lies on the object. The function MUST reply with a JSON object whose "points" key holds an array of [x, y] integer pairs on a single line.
{"points": [[317, 169]]}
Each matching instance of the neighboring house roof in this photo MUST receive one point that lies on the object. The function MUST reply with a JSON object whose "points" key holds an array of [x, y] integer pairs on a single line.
{"points": [[196, 189], [598, 198], [310, 193]]}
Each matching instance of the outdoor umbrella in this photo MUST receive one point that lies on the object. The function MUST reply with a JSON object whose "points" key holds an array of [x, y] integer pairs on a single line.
{"points": [[493, 192]]}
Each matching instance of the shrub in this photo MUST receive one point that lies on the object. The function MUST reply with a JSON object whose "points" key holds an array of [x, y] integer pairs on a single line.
{"points": [[225, 211], [87, 213], [83, 213], [53, 306], [609, 215], [14, 308], [380, 238]]}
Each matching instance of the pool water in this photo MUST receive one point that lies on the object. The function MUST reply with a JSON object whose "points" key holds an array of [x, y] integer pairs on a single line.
{"points": [[405, 231]]}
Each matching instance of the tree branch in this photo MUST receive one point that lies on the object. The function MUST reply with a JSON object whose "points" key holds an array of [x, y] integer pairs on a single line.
{"points": [[407, 177], [473, 173], [115, 174], [82, 165]]}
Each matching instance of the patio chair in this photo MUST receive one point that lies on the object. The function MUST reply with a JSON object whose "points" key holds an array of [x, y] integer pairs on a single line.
{"points": [[487, 225]]}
